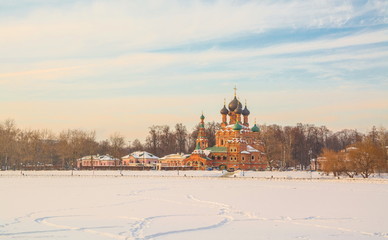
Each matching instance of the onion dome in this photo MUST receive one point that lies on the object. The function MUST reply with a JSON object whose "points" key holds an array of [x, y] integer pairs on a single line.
{"points": [[202, 117], [255, 128], [239, 105], [233, 104], [224, 111], [245, 112], [237, 127], [238, 110]]}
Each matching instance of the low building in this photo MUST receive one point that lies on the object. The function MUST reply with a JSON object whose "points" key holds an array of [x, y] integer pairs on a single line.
{"points": [[140, 158], [97, 161], [173, 160], [317, 164]]}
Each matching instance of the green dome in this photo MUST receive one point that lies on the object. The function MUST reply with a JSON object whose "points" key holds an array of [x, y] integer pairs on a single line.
{"points": [[202, 117], [255, 128], [237, 127]]}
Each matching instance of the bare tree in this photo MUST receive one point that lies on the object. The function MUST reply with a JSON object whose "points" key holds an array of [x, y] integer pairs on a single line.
{"points": [[8, 138], [137, 145], [117, 144], [153, 140], [167, 141], [104, 147], [181, 137], [274, 142]]}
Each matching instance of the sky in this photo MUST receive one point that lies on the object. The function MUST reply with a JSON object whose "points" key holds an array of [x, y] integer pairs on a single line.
{"points": [[123, 66]]}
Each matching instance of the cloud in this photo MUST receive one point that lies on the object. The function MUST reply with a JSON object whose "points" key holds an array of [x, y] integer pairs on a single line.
{"points": [[142, 62], [98, 28]]}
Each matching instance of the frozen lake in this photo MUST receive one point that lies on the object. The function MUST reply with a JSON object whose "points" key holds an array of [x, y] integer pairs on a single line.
{"points": [[207, 207]]}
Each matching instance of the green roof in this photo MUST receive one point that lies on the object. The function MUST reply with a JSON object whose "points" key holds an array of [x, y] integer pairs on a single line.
{"points": [[237, 126], [217, 149], [255, 128]]}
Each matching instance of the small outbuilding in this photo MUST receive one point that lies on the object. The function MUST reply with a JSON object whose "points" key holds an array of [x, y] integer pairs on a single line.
{"points": [[140, 158]]}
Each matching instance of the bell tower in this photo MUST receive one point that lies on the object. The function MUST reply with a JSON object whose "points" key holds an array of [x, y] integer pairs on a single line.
{"points": [[202, 141]]}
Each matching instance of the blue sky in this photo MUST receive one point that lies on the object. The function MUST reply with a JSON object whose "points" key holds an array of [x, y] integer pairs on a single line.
{"points": [[111, 65]]}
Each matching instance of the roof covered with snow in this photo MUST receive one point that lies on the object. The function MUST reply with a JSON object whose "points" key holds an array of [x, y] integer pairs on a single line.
{"points": [[99, 157], [141, 154], [175, 156], [252, 149]]}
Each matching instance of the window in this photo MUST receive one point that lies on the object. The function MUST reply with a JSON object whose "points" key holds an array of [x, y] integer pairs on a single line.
{"points": [[253, 157]]}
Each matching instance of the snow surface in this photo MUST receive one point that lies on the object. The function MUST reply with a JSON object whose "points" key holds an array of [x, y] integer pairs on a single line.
{"points": [[200, 205]]}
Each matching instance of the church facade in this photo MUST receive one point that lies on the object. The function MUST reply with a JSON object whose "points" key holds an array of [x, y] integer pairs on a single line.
{"points": [[238, 146]]}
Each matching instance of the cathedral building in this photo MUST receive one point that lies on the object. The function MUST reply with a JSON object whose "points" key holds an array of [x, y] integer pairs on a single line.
{"points": [[238, 146]]}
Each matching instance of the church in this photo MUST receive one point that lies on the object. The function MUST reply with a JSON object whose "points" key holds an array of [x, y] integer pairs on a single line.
{"points": [[238, 146]]}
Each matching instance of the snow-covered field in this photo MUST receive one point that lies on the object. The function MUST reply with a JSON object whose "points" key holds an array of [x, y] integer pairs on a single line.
{"points": [[200, 205]]}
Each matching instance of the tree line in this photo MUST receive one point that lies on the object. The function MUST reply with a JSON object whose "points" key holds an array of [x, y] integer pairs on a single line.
{"points": [[286, 146], [293, 146], [23, 148], [363, 158]]}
